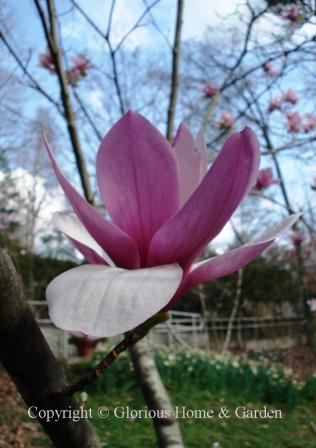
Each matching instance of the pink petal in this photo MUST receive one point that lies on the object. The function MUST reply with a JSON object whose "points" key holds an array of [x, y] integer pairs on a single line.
{"points": [[120, 247], [138, 178], [189, 162], [203, 216], [89, 254], [202, 148], [221, 265], [68, 223]]}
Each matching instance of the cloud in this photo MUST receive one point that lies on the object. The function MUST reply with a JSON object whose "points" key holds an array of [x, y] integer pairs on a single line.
{"points": [[95, 99], [35, 199]]}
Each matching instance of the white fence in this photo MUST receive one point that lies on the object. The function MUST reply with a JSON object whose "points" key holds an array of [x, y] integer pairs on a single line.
{"points": [[185, 329]]}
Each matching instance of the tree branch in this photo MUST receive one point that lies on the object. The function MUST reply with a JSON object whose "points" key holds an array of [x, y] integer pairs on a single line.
{"points": [[175, 71], [34, 84], [29, 361], [131, 338], [52, 41]]}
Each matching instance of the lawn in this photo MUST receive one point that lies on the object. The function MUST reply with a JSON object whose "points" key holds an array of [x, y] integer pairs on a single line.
{"points": [[197, 383]]}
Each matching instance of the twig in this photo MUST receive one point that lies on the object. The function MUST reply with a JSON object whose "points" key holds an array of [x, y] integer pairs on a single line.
{"points": [[131, 338], [106, 37], [34, 84], [234, 311]]}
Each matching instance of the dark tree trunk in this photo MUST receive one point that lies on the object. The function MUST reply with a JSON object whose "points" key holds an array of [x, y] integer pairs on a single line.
{"points": [[32, 366]]}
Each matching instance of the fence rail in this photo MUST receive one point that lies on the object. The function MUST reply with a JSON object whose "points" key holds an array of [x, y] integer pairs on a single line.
{"points": [[193, 330]]}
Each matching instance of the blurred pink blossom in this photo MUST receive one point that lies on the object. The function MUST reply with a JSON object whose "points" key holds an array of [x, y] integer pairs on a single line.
{"points": [[225, 121], [210, 89], [310, 123], [290, 96], [270, 70], [292, 13], [81, 63], [294, 121], [46, 61], [79, 69], [275, 104], [265, 179], [296, 237], [74, 75]]}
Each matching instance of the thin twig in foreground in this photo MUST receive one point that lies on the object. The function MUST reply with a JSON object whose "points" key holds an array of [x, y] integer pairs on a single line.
{"points": [[131, 338]]}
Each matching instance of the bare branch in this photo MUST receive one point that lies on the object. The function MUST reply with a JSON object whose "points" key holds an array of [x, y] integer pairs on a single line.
{"points": [[110, 47], [136, 25], [175, 71], [34, 84], [52, 41]]}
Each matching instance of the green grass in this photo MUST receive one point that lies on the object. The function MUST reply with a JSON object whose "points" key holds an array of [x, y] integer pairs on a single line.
{"points": [[198, 382], [295, 430], [201, 382]]}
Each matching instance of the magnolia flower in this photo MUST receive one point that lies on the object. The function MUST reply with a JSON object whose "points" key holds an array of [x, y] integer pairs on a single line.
{"points": [[275, 104], [79, 70], [310, 123], [210, 90], [46, 61], [74, 75], [290, 96], [270, 70], [294, 121], [296, 237], [81, 63], [165, 208], [292, 14], [312, 305], [265, 179], [225, 121]]}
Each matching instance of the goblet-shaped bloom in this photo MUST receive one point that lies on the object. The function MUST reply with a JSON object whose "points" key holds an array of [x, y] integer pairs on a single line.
{"points": [[81, 63], [165, 208], [292, 14], [275, 104], [46, 61], [265, 179], [297, 237], [225, 121], [270, 70], [310, 123], [210, 90], [294, 121], [290, 96]]}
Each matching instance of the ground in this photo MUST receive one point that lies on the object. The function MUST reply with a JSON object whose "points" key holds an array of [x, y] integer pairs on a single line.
{"points": [[296, 429]]}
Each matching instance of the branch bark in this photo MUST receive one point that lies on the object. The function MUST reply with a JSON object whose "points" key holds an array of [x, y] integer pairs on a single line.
{"points": [[234, 311], [175, 71], [298, 249], [50, 31], [156, 396], [32, 366]]}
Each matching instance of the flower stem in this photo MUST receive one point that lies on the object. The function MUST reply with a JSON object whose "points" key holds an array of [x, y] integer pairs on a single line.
{"points": [[131, 338]]}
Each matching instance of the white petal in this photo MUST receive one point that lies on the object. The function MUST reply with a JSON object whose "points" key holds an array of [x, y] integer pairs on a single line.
{"points": [[105, 301], [70, 225]]}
